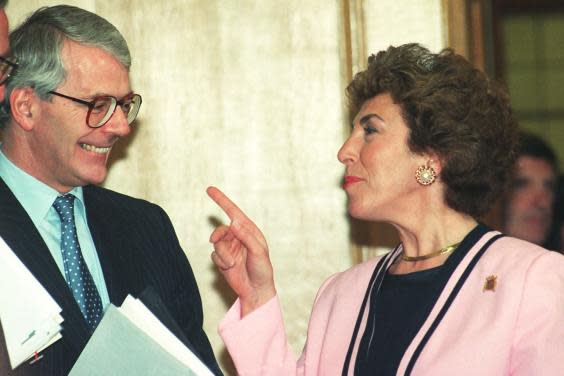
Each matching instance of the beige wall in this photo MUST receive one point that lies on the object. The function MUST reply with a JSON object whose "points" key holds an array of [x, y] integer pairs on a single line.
{"points": [[248, 96], [403, 21]]}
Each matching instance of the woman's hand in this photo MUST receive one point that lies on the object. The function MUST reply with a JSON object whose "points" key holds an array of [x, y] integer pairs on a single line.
{"points": [[241, 254]]}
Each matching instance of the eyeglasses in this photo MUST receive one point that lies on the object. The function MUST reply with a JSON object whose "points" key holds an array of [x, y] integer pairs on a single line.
{"points": [[101, 108], [7, 66]]}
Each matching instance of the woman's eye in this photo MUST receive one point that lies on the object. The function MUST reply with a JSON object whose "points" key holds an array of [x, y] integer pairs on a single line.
{"points": [[368, 130]]}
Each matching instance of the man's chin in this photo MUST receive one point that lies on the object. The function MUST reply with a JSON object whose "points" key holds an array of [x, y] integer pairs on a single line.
{"points": [[94, 179]]}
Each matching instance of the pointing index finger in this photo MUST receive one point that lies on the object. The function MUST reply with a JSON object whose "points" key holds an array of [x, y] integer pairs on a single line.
{"points": [[225, 203]]}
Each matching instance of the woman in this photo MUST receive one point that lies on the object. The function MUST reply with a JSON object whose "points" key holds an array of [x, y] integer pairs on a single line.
{"points": [[431, 148]]}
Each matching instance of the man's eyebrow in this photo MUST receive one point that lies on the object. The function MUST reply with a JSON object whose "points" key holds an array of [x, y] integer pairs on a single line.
{"points": [[100, 94]]}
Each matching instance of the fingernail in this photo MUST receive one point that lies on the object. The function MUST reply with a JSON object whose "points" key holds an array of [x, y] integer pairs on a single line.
{"points": [[236, 224]]}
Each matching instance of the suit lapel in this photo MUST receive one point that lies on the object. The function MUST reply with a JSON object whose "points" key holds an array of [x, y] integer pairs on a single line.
{"points": [[102, 225], [19, 232]]}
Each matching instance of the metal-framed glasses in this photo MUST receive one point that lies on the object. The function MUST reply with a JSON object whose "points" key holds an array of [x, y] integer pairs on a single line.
{"points": [[101, 109], [7, 66]]}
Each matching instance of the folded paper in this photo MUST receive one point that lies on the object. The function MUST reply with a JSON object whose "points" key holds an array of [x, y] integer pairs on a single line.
{"points": [[30, 317], [130, 340]]}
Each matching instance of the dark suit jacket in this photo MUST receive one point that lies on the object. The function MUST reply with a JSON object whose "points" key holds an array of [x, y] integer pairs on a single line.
{"points": [[137, 248]]}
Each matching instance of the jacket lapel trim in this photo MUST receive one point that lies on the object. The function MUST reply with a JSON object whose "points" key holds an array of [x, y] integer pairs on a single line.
{"points": [[448, 303], [374, 283]]}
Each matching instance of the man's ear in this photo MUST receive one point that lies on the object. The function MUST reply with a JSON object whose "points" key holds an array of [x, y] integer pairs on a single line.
{"points": [[24, 107]]}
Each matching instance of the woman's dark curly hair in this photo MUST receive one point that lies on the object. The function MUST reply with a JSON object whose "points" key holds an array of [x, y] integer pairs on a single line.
{"points": [[453, 109]]}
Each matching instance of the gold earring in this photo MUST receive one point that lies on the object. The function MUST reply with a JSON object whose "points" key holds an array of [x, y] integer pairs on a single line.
{"points": [[425, 174]]}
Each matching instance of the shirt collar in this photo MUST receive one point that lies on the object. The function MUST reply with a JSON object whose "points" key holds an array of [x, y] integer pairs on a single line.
{"points": [[35, 196]]}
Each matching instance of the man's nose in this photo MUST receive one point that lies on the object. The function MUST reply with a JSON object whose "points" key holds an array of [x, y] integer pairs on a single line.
{"points": [[118, 124]]}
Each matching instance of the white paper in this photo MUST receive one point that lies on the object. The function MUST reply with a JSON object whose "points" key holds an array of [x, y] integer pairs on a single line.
{"points": [[144, 319], [30, 317], [118, 347]]}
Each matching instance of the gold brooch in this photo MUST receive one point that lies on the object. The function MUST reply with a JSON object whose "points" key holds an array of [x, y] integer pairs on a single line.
{"points": [[490, 284]]}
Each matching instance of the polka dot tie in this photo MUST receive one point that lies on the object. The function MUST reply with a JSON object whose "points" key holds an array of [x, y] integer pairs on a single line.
{"points": [[77, 274]]}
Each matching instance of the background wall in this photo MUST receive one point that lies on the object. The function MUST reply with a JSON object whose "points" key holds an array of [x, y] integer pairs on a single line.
{"points": [[534, 72], [248, 96]]}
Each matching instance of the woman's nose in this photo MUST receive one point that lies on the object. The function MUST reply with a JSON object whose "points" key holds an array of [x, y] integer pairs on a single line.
{"points": [[347, 152]]}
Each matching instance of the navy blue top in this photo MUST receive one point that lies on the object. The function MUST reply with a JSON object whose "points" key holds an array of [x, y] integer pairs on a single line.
{"points": [[396, 314], [398, 309]]}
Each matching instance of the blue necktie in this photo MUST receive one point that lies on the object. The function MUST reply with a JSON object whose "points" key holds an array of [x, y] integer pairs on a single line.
{"points": [[77, 274]]}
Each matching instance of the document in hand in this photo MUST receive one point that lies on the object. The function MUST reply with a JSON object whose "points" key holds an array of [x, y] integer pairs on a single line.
{"points": [[30, 317], [130, 340]]}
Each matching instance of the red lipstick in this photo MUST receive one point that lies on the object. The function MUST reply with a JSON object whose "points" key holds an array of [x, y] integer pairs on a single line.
{"points": [[350, 180]]}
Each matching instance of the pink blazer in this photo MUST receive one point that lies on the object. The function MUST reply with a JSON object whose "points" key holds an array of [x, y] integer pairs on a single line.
{"points": [[513, 326]]}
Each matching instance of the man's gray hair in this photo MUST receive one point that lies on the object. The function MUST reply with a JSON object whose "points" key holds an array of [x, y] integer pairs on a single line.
{"points": [[38, 41]]}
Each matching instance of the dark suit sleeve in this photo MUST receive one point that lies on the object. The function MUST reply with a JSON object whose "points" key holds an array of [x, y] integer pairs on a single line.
{"points": [[138, 249], [180, 293]]}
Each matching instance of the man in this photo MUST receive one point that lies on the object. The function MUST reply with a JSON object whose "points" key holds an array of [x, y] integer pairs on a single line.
{"points": [[6, 65], [529, 204], [68, 103]]}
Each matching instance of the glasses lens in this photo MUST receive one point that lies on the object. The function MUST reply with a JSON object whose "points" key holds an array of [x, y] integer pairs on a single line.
{"points": [[131, 107], [101, 111]]}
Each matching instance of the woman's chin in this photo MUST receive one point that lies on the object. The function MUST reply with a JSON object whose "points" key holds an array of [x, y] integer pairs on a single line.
{"points": [[358, 212], [364, 213]]}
